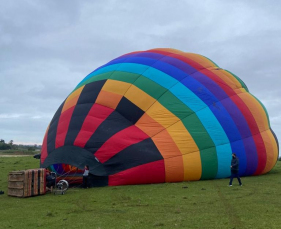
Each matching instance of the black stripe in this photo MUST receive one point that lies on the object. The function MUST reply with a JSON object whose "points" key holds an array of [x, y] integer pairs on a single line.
{"points": [[86, 100], [112, 125], [129, 110], [76, 156], [51, 139], [97, 181], [134, 155]]}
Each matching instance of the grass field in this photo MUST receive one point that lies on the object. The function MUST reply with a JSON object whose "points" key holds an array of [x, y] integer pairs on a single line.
{"points": [[18, 152], [201, 204]]}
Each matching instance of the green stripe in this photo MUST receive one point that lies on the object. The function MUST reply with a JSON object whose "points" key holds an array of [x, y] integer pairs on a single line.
{"points": [[208, 163], [190, 121], [178, 108]]}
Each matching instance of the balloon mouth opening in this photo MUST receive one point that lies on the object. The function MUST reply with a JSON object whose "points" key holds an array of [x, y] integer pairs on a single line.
{"points": [[74, 156]]}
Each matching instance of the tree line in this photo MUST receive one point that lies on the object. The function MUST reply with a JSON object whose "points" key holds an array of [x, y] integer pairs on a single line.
{"points": [[11, 146]]}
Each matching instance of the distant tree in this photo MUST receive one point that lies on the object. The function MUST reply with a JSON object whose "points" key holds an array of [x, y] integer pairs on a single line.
{"points": [[4, 146], [11, 142], [30, 148], [2, 141]]}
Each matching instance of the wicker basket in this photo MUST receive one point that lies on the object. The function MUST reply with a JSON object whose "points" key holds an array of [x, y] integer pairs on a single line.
{"points": [[27, 183]]}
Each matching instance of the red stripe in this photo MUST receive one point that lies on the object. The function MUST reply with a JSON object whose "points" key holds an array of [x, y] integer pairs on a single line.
{"points": [[262, 157], [149, 173], [63, 125], [44, 152], [95, 117], [261, 151], [120, 141]]}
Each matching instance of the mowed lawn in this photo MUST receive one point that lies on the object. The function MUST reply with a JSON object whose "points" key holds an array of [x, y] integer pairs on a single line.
{"points": [[200, 204]]}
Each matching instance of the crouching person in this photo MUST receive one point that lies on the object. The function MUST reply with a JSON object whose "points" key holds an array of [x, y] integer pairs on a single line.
{"points": [[50, 181]]}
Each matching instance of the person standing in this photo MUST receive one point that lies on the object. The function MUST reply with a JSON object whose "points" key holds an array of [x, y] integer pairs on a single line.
{"points": [[85, 176], [234, 169]]}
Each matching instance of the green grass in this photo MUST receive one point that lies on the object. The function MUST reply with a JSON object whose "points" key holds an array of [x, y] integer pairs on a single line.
{"points": [[18, 152], [201, 204]]}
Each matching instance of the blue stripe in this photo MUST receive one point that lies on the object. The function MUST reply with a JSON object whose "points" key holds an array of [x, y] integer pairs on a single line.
{"points": [[224, 160], [184, 94], [221, 113]]}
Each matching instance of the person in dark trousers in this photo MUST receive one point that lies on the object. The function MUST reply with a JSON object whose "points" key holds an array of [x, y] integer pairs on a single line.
{"points": [[50, 181], [234, 169], [85, 176]]}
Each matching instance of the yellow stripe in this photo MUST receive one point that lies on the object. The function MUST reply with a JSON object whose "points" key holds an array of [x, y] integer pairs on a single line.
{"points": [[161, 115], [181, 137], [139, 98], [273, 154], [116, 86], [166, 119], [72, 99], [188, 148]]}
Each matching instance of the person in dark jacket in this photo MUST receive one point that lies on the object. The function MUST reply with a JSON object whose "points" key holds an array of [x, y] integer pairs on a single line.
{"points": [[50, 181], [234, 169]]}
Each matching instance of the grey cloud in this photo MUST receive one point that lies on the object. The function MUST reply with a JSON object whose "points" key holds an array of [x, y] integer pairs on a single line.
{"points": [[48, 47]]}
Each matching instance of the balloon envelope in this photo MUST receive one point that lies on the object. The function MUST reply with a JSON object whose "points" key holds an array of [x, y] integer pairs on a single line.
{"points": [[160, 115]]}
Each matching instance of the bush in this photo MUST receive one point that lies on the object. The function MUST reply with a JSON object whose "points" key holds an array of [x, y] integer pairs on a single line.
{"points": [[4, 146]]}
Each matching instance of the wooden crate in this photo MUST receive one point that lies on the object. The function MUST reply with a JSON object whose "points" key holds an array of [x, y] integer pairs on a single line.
{"points": [[27, 183]]}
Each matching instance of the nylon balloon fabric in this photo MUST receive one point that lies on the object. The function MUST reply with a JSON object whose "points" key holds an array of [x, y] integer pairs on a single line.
{"points": [[160, 115]]}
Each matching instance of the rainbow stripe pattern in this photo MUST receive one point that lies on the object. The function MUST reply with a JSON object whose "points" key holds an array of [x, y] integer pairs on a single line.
{"points": [[160, 115]]}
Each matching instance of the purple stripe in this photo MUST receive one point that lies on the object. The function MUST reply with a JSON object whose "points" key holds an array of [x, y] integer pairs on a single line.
{"points": [[216, 90]]}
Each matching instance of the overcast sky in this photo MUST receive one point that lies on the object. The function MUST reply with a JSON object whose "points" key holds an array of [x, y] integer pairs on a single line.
{"points": [[48, 47]]}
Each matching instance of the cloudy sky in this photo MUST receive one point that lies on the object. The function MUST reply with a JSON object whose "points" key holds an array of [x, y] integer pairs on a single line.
{"points": [[48, 47]]}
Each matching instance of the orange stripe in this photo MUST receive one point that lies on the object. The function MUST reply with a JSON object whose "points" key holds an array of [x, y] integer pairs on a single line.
{"points": [[174, 169], [189, 150], [203, 61], [108, 99], [274, 153], [256, 110], [44, 152], [172, 156], [227, 77], [260, 117], [269, 151], [155, 120], [149, 125], [72, 99]]}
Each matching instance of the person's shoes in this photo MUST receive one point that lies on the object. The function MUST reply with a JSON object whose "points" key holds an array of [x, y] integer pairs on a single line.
{"points": [[240, 184], [230, 185], [1, 192]]}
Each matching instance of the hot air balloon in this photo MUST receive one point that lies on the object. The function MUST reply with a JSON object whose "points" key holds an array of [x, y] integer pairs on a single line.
{"points": [[155, 116]]}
